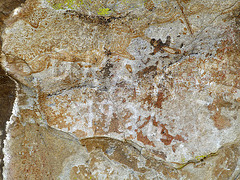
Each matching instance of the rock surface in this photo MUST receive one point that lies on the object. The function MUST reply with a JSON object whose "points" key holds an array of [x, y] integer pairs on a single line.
{"points": [[139, 89], [7, 85], [7, 95]]}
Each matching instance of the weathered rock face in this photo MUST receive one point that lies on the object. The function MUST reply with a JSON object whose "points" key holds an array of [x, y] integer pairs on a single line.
{"points": [[7, 85], [124, 90]]}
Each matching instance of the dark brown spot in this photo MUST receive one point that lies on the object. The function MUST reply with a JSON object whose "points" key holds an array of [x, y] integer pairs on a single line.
{"points": [[158, 45], [147, 70], [181, 45], [106, 70], [107, 52]]}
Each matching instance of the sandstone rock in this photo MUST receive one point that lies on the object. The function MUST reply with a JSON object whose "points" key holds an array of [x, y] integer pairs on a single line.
{"points": [[7, 90], [123, 90]]}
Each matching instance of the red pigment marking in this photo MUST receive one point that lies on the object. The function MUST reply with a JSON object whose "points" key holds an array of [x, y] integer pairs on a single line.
{"points": [[146, 122], [130, 127], [158, 104], [155, 123], [174, 148], [144, 139], [167, 140], [160, 99]]}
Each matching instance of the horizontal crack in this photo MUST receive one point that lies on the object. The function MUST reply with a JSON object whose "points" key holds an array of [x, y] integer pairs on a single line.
{"points": [[196, 160], [104, 20]]}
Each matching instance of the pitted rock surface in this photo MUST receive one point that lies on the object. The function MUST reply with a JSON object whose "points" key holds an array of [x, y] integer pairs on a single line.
{"points": [[140, 89]]}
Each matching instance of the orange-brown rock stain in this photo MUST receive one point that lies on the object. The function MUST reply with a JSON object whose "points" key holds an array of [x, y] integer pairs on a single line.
{"points": [[114, 125], [145, 122], [229, 54], [220, 121], [160, 99], [149, 99], [80, 133], [149, 5], [98, 126], [129, 68], [226, 164]]}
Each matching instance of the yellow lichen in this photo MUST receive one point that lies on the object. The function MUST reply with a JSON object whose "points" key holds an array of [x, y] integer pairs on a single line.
{"points": [[183, 160], [69, 3], [199, 158], [103, 11], [58, 6], [182, 166], [195, 160]]}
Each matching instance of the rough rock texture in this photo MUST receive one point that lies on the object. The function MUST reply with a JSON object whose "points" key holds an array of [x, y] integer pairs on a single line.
{"points": [[138, 89], [7, 85]]}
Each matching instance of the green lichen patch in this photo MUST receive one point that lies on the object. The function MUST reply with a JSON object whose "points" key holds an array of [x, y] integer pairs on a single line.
{"points": [[103, 11]]}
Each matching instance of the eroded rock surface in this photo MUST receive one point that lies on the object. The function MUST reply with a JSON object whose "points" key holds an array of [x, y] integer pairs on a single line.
{"points": [[7, 85], [124, 90]]}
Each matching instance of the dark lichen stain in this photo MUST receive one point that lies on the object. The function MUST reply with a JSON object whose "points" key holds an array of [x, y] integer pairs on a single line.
{"points": [[106, 70]]}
